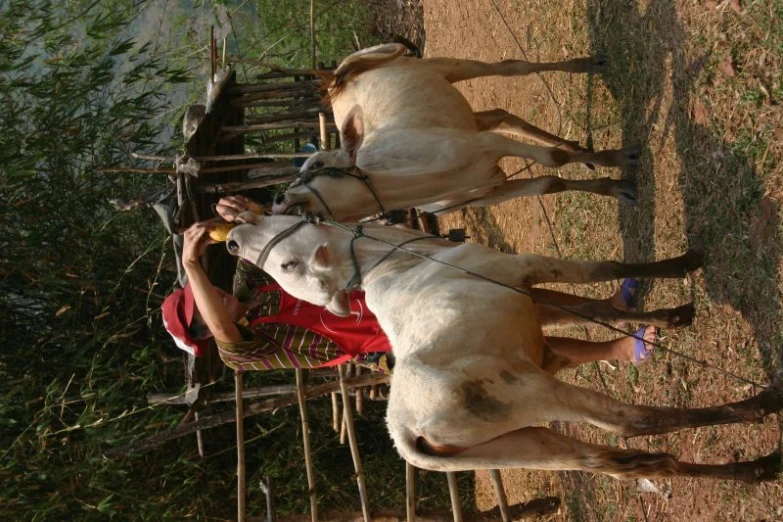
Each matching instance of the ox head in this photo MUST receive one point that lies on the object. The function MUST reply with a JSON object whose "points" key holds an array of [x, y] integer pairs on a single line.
{"points": [[310, 262], [299, 198]]}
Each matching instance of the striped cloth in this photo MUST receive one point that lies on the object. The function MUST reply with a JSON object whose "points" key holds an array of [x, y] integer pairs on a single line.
{"points": [[270, 346]]}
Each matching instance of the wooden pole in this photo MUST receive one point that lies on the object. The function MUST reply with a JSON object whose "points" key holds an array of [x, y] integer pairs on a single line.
{"points": [[236, 186], [234, 157], [326, 142], [335, 414], [247, 393], [303, 85], [136, 169], [501, 492], [410, 492], [456, 508], [199, 439], [266, 488], [229, 416], [306, 440], [241, 486], [354, 445], [273, 67], [274, 126]]}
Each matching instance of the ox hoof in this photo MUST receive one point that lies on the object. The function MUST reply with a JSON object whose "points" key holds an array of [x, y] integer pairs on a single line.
{"points": [[693, 259], [762, 469], [681, 316], [628, 157], [626, 191], [600, 64], [767, 402]]}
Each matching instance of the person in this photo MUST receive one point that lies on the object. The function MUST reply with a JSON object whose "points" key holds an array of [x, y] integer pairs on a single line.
{"points": [[261, 327]]}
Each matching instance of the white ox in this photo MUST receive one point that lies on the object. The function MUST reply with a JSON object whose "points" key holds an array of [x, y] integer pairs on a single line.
{"points": [[419, 144], [473, 375]]}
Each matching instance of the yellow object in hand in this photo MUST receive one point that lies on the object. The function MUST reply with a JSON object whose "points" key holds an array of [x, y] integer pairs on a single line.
{"points": [[220, 231]]}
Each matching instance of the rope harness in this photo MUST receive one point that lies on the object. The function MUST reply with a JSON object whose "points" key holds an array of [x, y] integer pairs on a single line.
{"points": [[355, 172], [356, 281]]}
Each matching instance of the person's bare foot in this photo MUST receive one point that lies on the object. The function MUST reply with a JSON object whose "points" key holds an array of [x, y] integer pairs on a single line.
{"points": [[625, 297], [633, 350]]}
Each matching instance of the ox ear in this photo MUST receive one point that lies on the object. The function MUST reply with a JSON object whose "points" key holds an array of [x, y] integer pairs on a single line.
{"points": [[352, 133], [320, 258], [340, 304]]}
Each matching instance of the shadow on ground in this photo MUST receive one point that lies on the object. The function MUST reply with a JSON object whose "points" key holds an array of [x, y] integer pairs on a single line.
{"points": [[726, 211]]}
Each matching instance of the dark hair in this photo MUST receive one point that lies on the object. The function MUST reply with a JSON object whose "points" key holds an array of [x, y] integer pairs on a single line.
{"points": [[198, 329]]}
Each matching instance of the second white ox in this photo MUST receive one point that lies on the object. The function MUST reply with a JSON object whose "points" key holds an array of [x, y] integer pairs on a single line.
{"points": [[418, 143], [473, 375]]}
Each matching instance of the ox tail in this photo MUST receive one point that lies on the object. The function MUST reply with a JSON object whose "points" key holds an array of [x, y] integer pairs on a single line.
{"points": [[532, 447], [356, 64], [423, 454]]}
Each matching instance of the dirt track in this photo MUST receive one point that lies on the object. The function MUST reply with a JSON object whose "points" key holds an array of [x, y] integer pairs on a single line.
{"points": [[699, 184]]}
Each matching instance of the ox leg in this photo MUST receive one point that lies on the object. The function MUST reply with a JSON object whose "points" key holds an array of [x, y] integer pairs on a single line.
{"points": [[503, 146], [456, 70], [557, 400], [559, 309], [622, 189], [503, 121], [542, 269], [541, 448]]}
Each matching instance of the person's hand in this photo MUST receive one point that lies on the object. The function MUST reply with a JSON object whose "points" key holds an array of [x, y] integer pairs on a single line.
{"points": [[231, 206], [196, 240]]}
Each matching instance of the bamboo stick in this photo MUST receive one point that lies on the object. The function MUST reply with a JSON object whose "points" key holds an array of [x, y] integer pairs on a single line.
{"points": [[323, 127], [266, 488], [306, 440], [410, 492], [136, 169], [253, 155], [295, 98], [301, 85], [247, 393], [501, 492], [152, 157], [212, 53], [290, 104], [241, 485], [456, 508], [343, 429], [287, 136], [284, 116], [249, 166], [354, 445], [335, 414], [236, 186], [230, 416], [359, 395], [273, 67], [199, 439], [239, 129]]}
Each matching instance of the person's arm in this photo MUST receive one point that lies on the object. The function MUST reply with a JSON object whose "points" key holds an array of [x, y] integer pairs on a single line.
{"points": [[208, 301]]}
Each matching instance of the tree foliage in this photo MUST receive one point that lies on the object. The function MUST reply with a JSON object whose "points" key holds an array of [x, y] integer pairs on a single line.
{"points": [[81, 284], [77, 278]]}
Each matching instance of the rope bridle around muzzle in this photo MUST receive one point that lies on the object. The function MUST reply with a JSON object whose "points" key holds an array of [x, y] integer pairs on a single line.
{"points": [[306, 177], [354, 283]]}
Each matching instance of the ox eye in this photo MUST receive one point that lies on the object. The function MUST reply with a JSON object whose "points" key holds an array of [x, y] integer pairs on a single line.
{"points": [[317, 165], [290, 265]]}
